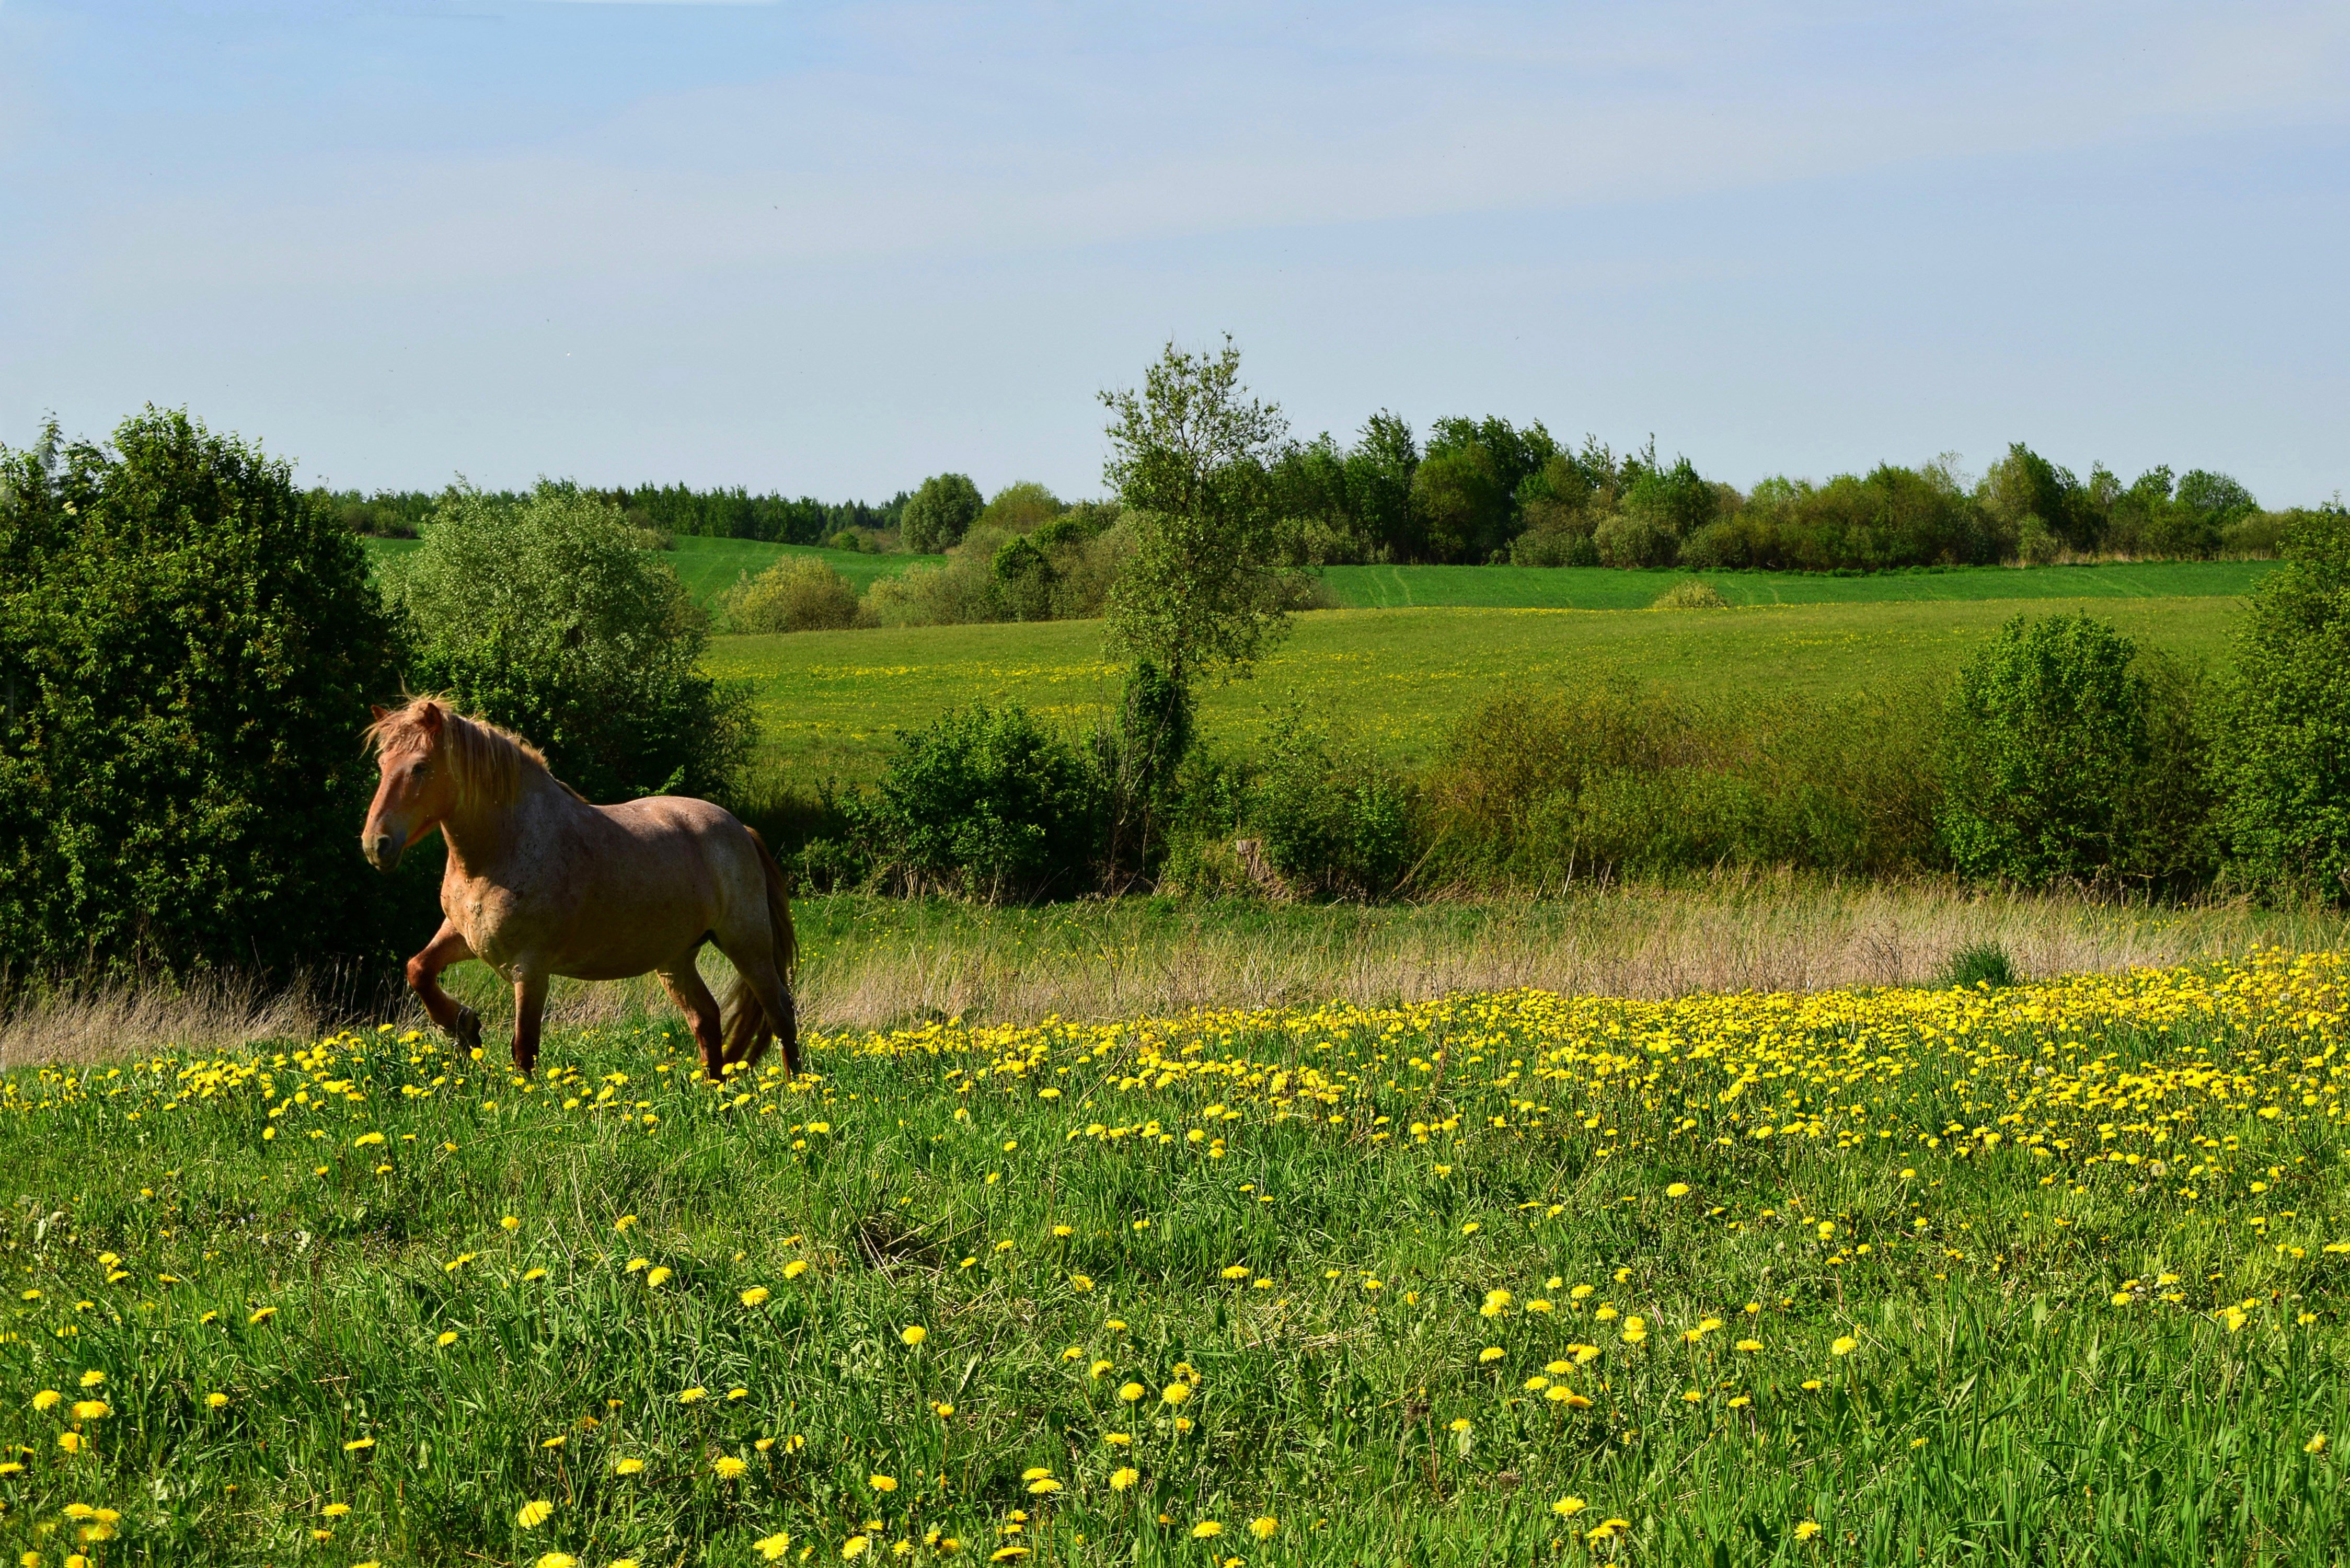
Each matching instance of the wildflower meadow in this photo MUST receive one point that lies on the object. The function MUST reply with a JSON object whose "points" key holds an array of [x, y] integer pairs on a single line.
{"points": [[2052, 1272]]}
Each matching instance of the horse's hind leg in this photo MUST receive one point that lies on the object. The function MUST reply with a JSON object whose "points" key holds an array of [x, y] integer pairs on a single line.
{"points": [[686, 987], [765, 1011], [459, 1021]]}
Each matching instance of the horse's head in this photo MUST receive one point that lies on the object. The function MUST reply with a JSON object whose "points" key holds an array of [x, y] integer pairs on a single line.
{"points": [[415, 785]]}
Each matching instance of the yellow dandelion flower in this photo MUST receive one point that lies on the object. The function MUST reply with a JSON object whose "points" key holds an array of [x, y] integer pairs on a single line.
{"points": [[795, 1268], [511, 1223], [214, 1401], [772, 1547], [1807, 1529], [728, 1467], [624, 1466], [2315, 1445], [47, 1399], [1206, 1528], [1491, 1352], [1678, 1190], [854, 1547], [755, 1296], [1844, 1344], [535, 1514], [1124, 1476], [1130, 1392], [913, 1333], [882, 1483], [1264, 1527], [693, 1395], [1175, 1393]]}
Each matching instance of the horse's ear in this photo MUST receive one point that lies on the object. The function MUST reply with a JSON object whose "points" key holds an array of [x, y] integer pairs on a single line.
{"points": [[430, 717], [379, 711]]}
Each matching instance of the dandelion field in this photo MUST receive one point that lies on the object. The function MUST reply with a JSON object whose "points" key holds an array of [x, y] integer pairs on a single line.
{"points": [[2054, 1273]]}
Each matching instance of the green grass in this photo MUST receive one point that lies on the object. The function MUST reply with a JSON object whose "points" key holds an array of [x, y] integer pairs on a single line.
{"points": [[1601, 587], [708, 567], [2037, 1276], [830, 702]]}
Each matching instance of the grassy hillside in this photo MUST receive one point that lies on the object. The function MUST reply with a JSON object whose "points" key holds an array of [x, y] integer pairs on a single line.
{"points": [[2047, 1274], [830, 701], [709, 566], [1601, 587]]}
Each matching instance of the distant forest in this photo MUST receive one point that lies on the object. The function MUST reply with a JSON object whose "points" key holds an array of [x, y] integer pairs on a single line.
{"points": [[1487, 491], [734, 514]]}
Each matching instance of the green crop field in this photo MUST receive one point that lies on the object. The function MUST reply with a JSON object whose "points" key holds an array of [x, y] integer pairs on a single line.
{"points": [[1602, 587], [708, 567], [2050, 1274], [830, 702]]}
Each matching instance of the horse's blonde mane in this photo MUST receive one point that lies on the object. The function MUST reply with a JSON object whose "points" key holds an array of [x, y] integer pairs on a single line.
{"points": [[486, 761]]}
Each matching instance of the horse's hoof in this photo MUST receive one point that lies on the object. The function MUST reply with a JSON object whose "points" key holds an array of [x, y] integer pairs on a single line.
{"points": [[467, 1030]]}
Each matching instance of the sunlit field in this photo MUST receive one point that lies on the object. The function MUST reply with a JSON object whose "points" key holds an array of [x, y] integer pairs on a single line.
{"points": [[2051, 1274], [832, 702]]}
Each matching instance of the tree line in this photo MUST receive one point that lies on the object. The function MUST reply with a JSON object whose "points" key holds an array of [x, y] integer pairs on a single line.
{"points": [[665, 509]]}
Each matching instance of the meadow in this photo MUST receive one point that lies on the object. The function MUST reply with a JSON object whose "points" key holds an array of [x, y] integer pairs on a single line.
{"points": [[830, 703], [2049, 1273]]}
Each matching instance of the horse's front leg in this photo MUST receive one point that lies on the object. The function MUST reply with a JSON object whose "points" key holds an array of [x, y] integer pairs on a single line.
{"points": [[460, 1022], [530, 1008]]}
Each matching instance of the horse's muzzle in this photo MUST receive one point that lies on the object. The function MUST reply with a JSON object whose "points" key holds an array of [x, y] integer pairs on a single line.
{"points": [[382, 851]]}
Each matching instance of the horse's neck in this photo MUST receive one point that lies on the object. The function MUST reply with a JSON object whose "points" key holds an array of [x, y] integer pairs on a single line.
{"points": [[481, 838]]}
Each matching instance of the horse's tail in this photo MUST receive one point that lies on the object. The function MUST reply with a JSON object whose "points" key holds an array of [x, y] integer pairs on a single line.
{"points": [[749, 1021]]}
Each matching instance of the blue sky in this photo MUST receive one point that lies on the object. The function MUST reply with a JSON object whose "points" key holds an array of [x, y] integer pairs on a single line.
{"points": [[832, 249]]}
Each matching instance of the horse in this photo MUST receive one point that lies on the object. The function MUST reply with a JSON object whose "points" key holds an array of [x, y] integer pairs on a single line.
{"points": [[541, 883]]}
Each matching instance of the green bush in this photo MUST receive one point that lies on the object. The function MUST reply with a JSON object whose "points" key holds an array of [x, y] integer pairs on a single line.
{"points": [[1334, 821], [1539, 787], [188, 647], [548, 617], [2284, 755], [987, 803], [2070, 755], [1983, 965], [798, 593]]}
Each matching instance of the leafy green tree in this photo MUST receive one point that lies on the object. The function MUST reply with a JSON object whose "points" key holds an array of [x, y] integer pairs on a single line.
{"points": [[1021, 506], [548, 616], [1379, 471], [1189, 456], [940, 514], [2284, 756], [188, 647], [1465, 491]]}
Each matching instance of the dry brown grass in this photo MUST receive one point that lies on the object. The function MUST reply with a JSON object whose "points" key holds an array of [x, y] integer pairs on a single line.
{"points": [[108, 1021], [1629, 942], [894, 963]]}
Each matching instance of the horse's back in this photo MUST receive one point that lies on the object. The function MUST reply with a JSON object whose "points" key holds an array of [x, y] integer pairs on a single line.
{"points": [[644, 881]]}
